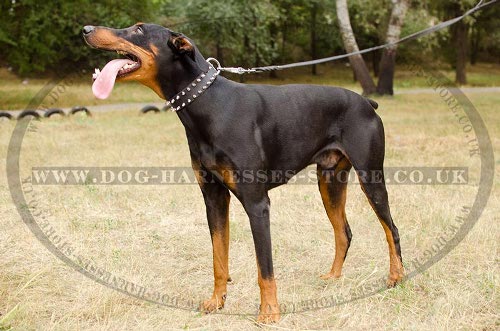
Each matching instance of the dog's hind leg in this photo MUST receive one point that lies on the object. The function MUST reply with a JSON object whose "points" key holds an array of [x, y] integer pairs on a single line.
{"points": [[377, 195], [333, 188], [367, 158]]}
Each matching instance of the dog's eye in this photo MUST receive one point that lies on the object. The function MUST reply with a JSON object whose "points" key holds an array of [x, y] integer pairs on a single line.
{"points": [[138, 30]]}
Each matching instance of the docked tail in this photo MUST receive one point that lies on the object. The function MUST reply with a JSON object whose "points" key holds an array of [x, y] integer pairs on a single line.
{"points": [[372, 103]]}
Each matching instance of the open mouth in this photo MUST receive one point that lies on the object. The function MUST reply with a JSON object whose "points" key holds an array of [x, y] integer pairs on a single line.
{"points": [[104, 80]]}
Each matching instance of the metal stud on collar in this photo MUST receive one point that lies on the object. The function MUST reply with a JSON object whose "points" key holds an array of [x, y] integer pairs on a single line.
{"points": [[204, 80]]}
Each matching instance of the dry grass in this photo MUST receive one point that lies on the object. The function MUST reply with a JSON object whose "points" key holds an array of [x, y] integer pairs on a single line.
{"points": [[157, 235], [14, 94]]}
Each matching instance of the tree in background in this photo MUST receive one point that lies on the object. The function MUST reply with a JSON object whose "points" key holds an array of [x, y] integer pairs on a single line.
{"points": [[369, 21], [374, 24], [36, 36], [388, 61], [457, 44], [485, 36], [256, 33], [463, 38], [357, 62], [43, 37], [236, 31], [314, 40]]}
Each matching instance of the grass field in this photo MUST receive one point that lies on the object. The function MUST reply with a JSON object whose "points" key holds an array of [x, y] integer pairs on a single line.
{"points": [[14, 94], [157, 235]]}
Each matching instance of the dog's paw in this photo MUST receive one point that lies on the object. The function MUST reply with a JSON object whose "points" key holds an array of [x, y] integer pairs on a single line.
{"points": [[395, 279], [269, 314], [211, 305], [331, 275], [392, 282]]}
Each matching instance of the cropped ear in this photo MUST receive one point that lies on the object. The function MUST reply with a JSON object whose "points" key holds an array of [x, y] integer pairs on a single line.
{"points": [[181, 44]]}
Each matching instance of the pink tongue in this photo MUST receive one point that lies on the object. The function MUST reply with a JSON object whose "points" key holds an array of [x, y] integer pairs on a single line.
{"points": [[104, 83]]}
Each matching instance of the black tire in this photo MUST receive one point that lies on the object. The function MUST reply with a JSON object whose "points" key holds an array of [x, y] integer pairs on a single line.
{"points": [[25, 113], [78, 109], [54, 111], [147, 109], [6, 115]]}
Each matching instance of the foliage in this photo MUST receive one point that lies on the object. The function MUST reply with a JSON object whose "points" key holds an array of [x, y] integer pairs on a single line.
{"points": [[486, 22], [36, 36], [44, 36], [420, 49], [240, 27]]}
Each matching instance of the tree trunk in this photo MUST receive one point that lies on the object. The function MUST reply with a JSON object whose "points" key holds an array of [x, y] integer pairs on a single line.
{"points": [[314, 12], [218, 47], [273, 31], [220, 53], [357, 63], [256, 47], [284, 35], [460, 34], [376, 63], [246, 61], [388, 61], [475, 44]]}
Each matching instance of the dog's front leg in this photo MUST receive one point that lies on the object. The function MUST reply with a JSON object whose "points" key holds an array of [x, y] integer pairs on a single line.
{"points": [[258, 212], [217, 199]]}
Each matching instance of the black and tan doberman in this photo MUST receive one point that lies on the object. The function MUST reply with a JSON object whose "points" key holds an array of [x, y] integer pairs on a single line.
{"points": [[261, 130]]}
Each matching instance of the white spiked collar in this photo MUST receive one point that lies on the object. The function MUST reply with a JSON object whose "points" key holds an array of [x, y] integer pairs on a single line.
{"points": [[193, 91]]}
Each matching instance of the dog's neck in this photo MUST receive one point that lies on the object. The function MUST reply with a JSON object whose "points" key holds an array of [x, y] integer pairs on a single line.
{"points": [[179, 74], [194, 90], [176, 77]]}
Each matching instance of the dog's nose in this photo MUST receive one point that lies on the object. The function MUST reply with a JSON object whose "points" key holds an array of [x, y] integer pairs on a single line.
{"points": [[87, 29]]}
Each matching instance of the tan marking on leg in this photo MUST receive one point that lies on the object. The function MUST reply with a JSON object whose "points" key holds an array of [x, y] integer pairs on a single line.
{"points": [[229, 179], [220, 243], [197, 172], [396, 269], [220, 246], [226, 174], [336, 214], [269, 307]]}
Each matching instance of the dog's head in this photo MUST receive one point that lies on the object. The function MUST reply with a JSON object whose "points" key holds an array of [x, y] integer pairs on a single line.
{"points": [[145, 47]]}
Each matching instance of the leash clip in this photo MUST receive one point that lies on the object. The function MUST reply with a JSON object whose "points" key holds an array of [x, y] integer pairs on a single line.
{"points": [[238, 70], [234, 70]]}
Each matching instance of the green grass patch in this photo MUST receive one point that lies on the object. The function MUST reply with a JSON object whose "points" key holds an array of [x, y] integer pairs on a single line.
{"points": [[16, 93]]}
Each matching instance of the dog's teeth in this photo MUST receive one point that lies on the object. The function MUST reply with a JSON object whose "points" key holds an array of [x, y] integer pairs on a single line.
{"points": [[127, 66]]}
